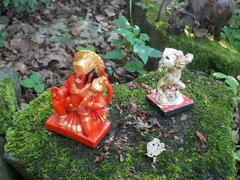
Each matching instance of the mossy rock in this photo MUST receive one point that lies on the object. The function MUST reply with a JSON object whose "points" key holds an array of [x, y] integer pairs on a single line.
{"points": [[8, 104], [46, 155], [208, 54]]}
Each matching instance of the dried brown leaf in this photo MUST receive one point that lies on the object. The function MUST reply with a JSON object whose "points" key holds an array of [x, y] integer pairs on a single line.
{"points": [[201, 137], [134, 107], [106, 148], [76, 31], [98, 158], [121, 157], [200, 32]]}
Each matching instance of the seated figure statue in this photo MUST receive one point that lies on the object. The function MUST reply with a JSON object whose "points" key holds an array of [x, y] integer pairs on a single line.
{"points": [[79, 105]]}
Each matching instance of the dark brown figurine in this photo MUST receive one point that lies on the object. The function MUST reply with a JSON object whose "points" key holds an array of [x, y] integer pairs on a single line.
{"points": [[212, 15]]}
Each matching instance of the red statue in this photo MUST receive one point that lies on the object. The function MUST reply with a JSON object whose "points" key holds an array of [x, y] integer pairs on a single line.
{"points": [[79, 105]]}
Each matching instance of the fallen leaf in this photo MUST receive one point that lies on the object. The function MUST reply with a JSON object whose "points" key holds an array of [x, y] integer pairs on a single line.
{"points": [[106, 148], [134, 107], [200, 32], [176, 138], [110, 12], [121, 157], [23, 45], [183, 117], [99, 158], [235, 136], [146, 87], [76, 31], [61, 56], [119, 109], [19, 66], [101, 19], [201, 137]]}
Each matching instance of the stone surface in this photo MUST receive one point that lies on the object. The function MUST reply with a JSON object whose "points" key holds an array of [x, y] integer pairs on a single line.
{"points": [[6, 171], [122, 153], [9, 73]]}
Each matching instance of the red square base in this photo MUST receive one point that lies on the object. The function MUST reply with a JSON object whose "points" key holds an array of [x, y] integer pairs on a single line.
{"points": [[92, 141], [171, 110]]}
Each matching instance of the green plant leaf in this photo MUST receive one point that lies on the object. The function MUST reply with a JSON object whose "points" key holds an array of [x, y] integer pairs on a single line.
{"points": [[138, 41], [236, 155], [219, 75], [114, 55], [89, 47], [16, 3], [229, 80], [27, 83], [36, 78], [133, 42], [136, 30], [232, 82], [131, 37], [33, 4], [45, 1], [144, 5], [122, 22], [144, 37], [39, 87], [2, 37], [135, 66], [141, 71], [153, 52], [128, 35], [141, 51], [118, 42], [144, 52], [5, 3]]}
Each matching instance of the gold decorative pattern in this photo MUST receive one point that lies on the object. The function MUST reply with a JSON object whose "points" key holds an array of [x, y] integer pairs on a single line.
{"points": [[85, 61], [76, 90], [99, 84]]}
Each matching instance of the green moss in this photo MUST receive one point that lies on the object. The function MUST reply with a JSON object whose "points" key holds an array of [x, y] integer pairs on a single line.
{"points": [[47, 155], [125, 96], [208, 54], [8, 104]]}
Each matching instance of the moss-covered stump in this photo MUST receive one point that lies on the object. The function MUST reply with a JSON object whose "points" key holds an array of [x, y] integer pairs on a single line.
{"points": [[121, 154], [208, 54], [8, 104]]}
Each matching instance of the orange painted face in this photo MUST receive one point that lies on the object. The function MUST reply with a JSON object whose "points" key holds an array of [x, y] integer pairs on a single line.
{"points": [[84, 64], [80, 80]]}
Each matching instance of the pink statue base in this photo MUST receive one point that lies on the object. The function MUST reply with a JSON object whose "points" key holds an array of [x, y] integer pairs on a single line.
{"points": [[170, 110]]}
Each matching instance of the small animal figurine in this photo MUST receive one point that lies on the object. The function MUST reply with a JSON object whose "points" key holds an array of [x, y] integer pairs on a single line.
{"points": [[154, 149], [80, 104], [168, 97], [212, 15], [168, 87]]}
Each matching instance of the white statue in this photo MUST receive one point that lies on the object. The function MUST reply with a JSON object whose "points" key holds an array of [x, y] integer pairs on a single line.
{"points": [[173, 61]]}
